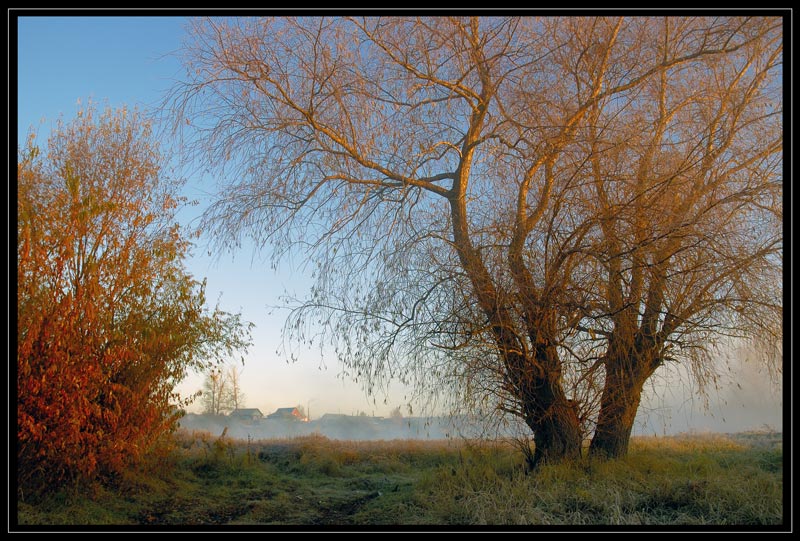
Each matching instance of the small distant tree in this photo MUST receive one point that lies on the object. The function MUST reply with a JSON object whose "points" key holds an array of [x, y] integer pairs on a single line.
{"points": [[396, 413], [217, 397], [236, 394]]}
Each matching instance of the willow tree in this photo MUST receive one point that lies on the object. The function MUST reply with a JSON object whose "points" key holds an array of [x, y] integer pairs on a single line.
{"points": [[435, 170], [686, 180]]}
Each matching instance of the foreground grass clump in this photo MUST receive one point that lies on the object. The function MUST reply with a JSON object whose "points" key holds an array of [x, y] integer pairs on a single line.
{"points": [[677, 480], [306, 481], [316, 481]]}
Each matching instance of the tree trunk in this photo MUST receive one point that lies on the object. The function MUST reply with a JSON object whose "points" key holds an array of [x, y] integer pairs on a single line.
{"points": [[557, 435], [551, 416], [618, 406]]}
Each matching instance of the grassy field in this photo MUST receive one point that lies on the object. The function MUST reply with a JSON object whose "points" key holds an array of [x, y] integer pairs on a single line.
{"points": [[689, 480]]}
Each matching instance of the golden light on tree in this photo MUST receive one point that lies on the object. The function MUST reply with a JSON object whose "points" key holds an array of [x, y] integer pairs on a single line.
{"points": [[530, 213], [687, 183]]}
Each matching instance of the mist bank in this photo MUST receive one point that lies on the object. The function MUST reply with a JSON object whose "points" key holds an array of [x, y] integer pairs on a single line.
{"points": [[745, 397], [746, 400], [733, 409], [341, 427], [354, 427]]}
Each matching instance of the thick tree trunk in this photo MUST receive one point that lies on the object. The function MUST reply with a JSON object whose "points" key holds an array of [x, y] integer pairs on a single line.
{"points": [[618, 406], [557, 435], [534, 378], [551, 416]]}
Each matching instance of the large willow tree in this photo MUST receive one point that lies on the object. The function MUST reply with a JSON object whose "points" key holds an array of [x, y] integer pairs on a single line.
{"points": [[534, 213]]}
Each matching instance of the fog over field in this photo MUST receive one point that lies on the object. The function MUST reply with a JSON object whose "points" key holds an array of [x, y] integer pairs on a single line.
{"points": [[754, 403], [747, 399]]}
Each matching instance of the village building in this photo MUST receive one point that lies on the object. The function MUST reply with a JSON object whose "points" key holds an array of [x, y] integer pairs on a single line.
{"points": [[287, 414], [247, 414]]}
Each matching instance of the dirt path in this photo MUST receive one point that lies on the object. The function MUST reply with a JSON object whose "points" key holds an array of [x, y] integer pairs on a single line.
{"points": [[176, 512], [343, 511]]}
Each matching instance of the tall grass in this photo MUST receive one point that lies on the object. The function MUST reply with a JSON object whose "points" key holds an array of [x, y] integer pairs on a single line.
{"points": [[312, 480], [689, 481]]}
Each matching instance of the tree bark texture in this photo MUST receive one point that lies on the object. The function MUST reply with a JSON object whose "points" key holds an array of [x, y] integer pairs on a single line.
{"points": [[619, 403]]}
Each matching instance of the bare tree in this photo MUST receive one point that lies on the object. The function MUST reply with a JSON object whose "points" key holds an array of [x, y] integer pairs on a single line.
{"points": [[441, 175], [216, 396], [236, 394], [686, 181]]}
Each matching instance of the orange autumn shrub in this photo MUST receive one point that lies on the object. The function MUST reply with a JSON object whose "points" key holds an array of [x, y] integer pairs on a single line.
{"points": [[109, 320]]}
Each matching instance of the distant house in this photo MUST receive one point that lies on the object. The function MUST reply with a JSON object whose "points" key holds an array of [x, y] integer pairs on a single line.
{"points": [[249, 414], [286, 414]]}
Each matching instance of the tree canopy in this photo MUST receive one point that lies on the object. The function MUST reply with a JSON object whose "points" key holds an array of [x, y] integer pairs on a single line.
{"points": [[531, 213]]}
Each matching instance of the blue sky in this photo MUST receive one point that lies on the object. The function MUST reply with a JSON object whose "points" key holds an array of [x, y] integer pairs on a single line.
{"points": [[63, 59], [130, 61]]}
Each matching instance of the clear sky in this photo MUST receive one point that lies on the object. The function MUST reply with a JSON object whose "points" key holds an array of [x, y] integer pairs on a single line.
{"points": [[129, 61]]}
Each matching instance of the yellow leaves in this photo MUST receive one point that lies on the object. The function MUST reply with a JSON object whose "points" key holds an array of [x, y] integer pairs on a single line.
{"points": [[169, 203]]}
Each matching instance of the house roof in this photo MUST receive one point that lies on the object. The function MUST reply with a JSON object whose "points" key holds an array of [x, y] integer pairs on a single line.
{"points": [[285, 410], [247, 411]]}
